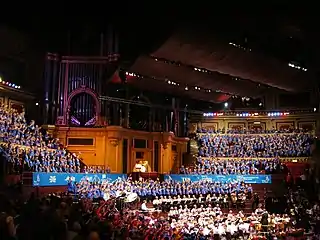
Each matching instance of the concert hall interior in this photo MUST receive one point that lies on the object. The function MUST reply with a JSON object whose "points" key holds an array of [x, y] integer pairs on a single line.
{"points": [[203, 129]]}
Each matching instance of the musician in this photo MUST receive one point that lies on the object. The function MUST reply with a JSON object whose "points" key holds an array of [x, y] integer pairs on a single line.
{"points": [[259, 210], [234, 199], [256, 201], [175, 211], [144, 207], [179, 199], [143, 169], [264, 222], [156, 203], [194, 209], [214, 198], [200, 199], [208, 198], [225, 203]]}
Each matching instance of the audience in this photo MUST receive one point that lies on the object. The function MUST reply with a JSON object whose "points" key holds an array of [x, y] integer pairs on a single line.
{"points": [[249, 131], [234, 166], [28, 146], [65, 216], [255, 145], [167, 194]]}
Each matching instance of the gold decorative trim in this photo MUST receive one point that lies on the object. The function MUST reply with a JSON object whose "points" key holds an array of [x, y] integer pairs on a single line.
{"points": [[114, 142]]}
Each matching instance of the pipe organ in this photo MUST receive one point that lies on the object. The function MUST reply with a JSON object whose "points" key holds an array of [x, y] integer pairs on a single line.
{"points": [[74, 84], [80, 85]]}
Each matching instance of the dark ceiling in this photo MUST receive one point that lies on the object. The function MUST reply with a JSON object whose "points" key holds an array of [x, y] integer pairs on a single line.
{"points": [[241, 53], [167, 45]]}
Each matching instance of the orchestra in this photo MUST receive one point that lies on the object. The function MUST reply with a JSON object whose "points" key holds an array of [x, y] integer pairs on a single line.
{"points": [[200, 206]]}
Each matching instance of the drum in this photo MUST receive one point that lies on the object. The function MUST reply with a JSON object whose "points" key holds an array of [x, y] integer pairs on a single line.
{"points": [[131, 197]]}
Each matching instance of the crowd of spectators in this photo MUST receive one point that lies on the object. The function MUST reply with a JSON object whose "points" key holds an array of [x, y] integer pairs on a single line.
{"points": [[241, 144], [250, 131], [193, 213], [235, 166], [28, 146], [169, 190], [68, 216]]}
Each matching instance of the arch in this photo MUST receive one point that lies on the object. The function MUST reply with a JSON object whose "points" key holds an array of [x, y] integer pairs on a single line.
{"points": [[83, 89]]}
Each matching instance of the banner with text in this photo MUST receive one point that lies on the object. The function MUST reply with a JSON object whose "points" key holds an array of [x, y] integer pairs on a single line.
{"points": [[255, 179], [62, 179]]}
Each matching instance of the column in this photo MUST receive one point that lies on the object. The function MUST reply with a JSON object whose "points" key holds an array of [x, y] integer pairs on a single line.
{"points": [[152, 112], [126, 109], [173, 116], [177, 122], [54, 90], [185, 123], [47, 83], [116, 110]]}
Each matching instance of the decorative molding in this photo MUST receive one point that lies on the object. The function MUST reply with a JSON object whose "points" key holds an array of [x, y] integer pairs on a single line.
{"points": [[211, 125], [165, 145], [262, 125], [114, 141], [284, 125], [232, 125], [19, 104], [310, 125], [192, 127], [60, 120]]}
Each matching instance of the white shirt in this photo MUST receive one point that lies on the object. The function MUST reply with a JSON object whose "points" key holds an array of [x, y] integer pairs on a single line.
{"points": [[244, 227], [221, 230], [144, 207], [143, 169], [205, 231]]}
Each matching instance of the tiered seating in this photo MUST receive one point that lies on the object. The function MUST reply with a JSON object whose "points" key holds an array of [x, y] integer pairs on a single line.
{"points": [[246, 144], [248, 151], [226, 166], [28, 146]]}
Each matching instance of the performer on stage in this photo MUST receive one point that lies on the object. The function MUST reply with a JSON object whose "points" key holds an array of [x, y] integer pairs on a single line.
{"points": [[144, 207], [141, 166]]}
